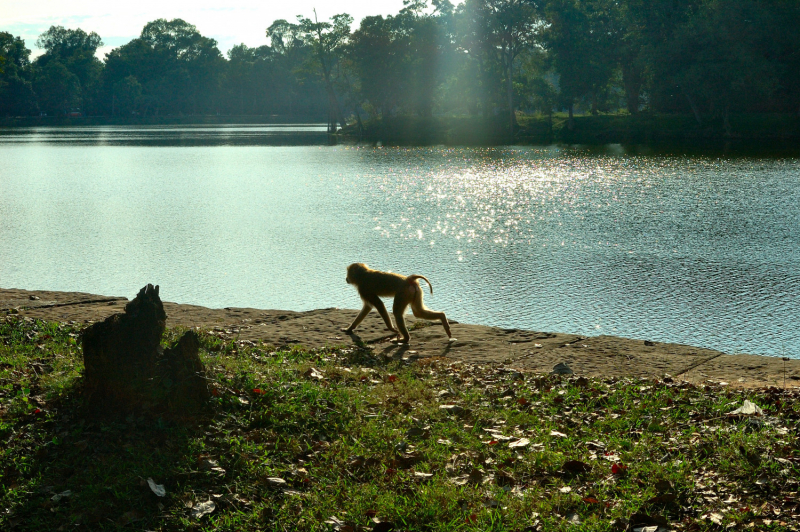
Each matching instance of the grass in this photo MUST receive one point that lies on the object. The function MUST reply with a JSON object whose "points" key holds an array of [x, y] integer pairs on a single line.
{"points": [[339, 439]]}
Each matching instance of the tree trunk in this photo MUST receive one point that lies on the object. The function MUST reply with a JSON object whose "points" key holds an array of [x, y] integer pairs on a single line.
{"points": [[336, 109], [694, 108], [570, 120], [359, 122], [125, 369], [632, 81], [483, 96], [512, 119], [726, 111]]}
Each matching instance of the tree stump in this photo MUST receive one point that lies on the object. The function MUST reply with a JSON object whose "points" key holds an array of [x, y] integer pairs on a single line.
{"points": [[127, 371]]}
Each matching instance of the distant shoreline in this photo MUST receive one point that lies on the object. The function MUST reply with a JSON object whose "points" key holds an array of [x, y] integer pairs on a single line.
{"points": [[755, 132], [768, 132], [189, 120]]}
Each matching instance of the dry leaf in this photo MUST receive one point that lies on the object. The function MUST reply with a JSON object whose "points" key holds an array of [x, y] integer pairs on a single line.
{"points": [[58, 496], [573, 519], [522, 442], [158, 489], [211, 465], [275, 482], [747, 409], [313, 373], [203, 508]]}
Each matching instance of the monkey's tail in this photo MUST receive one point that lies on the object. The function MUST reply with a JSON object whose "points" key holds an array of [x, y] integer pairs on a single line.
{"points": [[412, 278]]}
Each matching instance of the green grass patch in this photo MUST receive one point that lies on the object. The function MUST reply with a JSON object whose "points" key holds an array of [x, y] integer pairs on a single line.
{"points": [[341, 439]]}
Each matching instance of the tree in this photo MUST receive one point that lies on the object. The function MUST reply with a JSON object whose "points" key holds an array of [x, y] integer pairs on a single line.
{"points": [[75, 50], [494, 33], [326, 41], [241, 63], [515, 26], [477, 80], [58, 89], [539, 85], [294, 80], [783, 27], [582, 41], [376, 51], [423, 60], [16, 92], [723, 58], [178, 68], [127, 95]]}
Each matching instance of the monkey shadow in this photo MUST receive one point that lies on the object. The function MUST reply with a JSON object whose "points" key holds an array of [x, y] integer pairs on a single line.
{"points": [[385, 349], [394, 351], [361, 342]]}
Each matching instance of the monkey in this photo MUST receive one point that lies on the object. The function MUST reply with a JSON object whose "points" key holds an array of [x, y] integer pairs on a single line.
{"points": [[371, 284]]}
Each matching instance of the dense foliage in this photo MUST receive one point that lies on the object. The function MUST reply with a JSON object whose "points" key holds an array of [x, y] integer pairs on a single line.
{"points": [[483, 58]]}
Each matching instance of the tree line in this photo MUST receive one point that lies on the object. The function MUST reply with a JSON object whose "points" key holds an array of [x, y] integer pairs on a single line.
{"points": [[490, 58]]}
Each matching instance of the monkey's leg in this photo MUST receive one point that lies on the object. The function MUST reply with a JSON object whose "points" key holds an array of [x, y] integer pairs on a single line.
{"points": [[398, 309], [361, 315], [419, 310], [378, 304]]}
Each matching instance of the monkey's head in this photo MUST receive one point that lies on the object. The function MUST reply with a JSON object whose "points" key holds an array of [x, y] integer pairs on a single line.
{"points": [[354, 272]]}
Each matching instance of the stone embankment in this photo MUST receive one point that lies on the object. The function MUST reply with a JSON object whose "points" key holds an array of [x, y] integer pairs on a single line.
{"points": [[592, 356]]}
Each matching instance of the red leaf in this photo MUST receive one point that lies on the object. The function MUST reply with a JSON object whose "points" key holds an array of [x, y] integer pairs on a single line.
{"points": [[392, 378], [618, 469], [472, 519], [493, 442], [214, 392], [591, 500], [259, 391], [37, 411]]}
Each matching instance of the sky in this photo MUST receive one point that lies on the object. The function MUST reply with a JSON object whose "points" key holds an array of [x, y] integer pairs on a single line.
{"points": [[117, 23]]}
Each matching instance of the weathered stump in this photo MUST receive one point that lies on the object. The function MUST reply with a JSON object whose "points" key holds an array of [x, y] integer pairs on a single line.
{"points": [[127, 371]]}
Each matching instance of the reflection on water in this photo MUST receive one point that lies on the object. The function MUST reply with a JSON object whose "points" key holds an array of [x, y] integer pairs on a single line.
{"points": [[693, 249]]}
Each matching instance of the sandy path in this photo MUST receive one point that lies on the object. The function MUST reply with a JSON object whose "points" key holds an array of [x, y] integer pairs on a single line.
{"points": [[596, 356]]}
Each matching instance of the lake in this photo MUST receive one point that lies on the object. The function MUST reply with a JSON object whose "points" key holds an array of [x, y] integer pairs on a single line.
{"points": [[691, 248]]}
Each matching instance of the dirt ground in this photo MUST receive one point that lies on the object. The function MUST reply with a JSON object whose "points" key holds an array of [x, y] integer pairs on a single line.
{"points": [[595, 356]]}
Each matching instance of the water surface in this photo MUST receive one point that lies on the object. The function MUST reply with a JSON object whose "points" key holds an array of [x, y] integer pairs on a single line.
{"points": [[693, 249]]}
